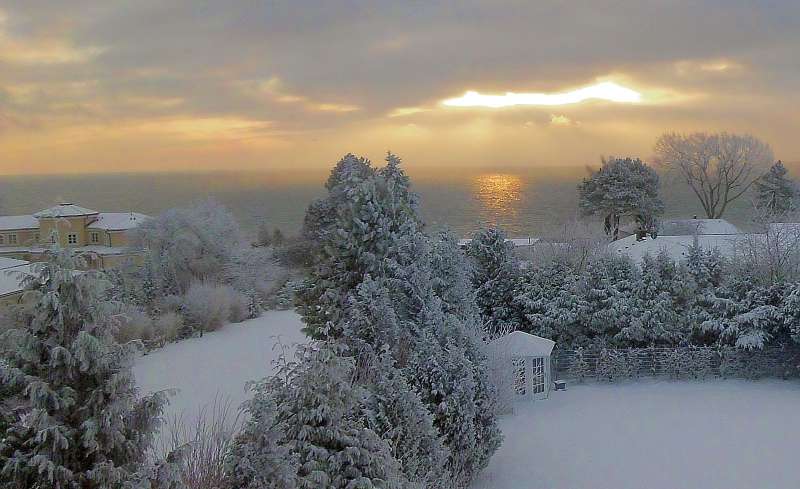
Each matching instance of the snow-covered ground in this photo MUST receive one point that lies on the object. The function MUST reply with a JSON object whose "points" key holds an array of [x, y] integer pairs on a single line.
{"points": [[218, 364], [655, 435]]}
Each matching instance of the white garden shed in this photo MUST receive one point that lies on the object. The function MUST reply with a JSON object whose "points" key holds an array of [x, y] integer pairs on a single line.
{"points": [[527, 357]]}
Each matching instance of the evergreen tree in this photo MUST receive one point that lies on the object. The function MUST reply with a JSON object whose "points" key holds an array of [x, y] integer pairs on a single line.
{"points": [[84, 424], [622, 188], [775, 192], [495, 272], [318, 409]]}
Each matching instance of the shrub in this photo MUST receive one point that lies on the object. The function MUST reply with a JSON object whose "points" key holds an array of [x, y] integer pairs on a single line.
{"points": [[207, 307], [169, 326], [133, 324]]}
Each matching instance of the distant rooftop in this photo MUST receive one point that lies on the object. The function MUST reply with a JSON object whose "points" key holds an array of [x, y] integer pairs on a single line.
{"points": [[675, 246], [65, 209], [8, 223], [118, 221], [690, 227]]}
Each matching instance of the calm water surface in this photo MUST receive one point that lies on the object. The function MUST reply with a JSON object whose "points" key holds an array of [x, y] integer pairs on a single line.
{"points": [[524, 202]]}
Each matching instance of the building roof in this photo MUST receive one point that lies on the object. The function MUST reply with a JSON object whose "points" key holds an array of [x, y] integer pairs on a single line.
{"points": [[519, 344], [118, 221], [12, 223], [675, 246], [10, 262], [690, 227], [12, 272], [517, 242], [65, 209]]}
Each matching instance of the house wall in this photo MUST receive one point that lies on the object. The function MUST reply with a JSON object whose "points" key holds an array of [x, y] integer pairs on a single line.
{"points": [[24, 237], [10, 299], [66, 226]]}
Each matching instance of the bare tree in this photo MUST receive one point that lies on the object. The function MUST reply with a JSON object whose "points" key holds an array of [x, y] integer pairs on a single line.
{"points": [[772, 254], [719, 168]]}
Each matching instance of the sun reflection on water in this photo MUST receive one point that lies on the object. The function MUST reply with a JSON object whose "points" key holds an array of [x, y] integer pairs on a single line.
{"points": [[499, 195]]}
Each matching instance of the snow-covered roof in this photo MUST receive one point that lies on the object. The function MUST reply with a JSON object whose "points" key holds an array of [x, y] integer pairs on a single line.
{"points": [[675, 246], [11, 262], [10, 223], [65, 209], [516, 241], [520, 344], [118, 221], [689, 227], [10, 279]]}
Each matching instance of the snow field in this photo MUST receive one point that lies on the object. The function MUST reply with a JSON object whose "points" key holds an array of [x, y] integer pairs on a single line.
{"points": [[653, 435], [219, 364]]}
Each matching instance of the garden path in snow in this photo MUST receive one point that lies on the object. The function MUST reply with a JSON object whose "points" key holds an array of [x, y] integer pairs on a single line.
{"points": [[653, 435]]}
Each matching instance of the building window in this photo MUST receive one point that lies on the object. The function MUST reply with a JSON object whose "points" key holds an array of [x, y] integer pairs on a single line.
{"points": [[95, 238], [72, 238], [53, 238], [35, 237], [12, 239], [2, 239]]}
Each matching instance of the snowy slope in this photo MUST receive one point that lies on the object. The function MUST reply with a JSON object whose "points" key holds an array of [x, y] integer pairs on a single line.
{"points": [[654, 435], [218, 363]]}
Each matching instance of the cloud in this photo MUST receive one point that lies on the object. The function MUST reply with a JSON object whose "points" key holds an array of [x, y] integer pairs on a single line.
{"points": [[277, 91], [608, 91], [562, 121]]}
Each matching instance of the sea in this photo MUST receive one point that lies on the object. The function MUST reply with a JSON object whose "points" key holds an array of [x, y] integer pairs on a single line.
{"points": [[525, 202]]}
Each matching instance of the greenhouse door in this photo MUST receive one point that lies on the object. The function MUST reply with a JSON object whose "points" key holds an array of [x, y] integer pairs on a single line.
{"points": [[538, 378]]}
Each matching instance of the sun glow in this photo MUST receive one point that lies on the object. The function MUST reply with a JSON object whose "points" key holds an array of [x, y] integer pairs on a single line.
{"points": [[609, 91]]}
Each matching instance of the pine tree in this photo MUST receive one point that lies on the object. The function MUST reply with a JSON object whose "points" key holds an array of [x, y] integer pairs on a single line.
{"points": [[495, 272], [318, 407], [84, 423], [775, 192], [395, 413]]}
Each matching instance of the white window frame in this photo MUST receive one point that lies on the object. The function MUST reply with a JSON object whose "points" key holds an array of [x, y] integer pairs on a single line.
{"points": [[2, 239], [95, 237], [12, 238], [72, 238]]}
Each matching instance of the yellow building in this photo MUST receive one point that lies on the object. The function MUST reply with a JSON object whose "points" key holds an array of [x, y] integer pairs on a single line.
{"points": [[100, 237]]}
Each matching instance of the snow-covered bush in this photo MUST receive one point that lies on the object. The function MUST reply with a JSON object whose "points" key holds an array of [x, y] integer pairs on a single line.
{"points": [[168, 325], [131, 323], [83, 424], [579, 368], [207, 306]]}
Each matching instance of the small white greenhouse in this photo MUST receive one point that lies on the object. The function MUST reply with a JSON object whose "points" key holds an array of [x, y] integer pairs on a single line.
{"points": [[526, 358]]}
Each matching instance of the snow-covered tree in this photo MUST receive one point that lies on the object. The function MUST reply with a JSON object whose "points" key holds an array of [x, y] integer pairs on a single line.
{"points": [[83, 423], [318, 409], [368, 213], [495, 272], [622, 187], [775, 192], [395, 413], [183, 245]]}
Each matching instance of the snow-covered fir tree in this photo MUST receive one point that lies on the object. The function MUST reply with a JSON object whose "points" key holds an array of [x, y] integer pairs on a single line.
{"points": [[622, 187], [495, 272], [82, 422], [775, 192]]}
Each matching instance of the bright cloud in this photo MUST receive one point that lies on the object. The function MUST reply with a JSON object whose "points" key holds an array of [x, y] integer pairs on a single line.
{"points": [[609, 91]]}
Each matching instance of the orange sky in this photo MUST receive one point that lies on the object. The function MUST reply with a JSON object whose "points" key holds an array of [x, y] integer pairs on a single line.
{"points": [[171, 86]]}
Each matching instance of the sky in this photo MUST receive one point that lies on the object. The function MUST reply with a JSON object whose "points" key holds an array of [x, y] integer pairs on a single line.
{"points": [[120, 86]]}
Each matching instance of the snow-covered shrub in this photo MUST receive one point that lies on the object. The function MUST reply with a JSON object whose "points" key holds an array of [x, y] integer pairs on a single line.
{"points": [[131, 323], [207, 307], [255, 273], [168, 325], [84, 424]]}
